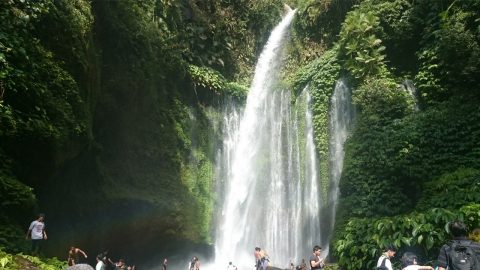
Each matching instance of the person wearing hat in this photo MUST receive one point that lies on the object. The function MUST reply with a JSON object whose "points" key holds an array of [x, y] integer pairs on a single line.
{"points": [[36, 232], [315, 261]]}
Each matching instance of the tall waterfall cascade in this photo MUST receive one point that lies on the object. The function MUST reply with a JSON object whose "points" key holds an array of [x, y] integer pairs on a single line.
{"points": [[267, 170]]}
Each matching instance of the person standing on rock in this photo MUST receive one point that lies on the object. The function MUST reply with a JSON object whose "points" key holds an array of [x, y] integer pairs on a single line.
{"points": [[36, 232]]}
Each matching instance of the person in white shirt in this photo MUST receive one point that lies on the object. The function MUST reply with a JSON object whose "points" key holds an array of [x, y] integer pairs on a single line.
{"points": [[410, 262], [37, 233], [384, 262], [100, 264]]}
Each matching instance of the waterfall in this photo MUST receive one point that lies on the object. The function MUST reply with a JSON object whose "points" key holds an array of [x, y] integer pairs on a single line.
{"points": [[410, 88], [341, 119], [266, 169]]}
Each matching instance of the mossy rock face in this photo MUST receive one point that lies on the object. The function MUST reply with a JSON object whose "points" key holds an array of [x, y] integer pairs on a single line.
{"points": [[102, 120]]}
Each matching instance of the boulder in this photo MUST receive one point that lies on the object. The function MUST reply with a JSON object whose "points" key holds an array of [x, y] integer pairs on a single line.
{"points": [[80, 267]]}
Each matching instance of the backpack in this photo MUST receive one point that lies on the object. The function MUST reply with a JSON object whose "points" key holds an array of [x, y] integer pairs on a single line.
{"points": [[462, 256], [382, 266]]}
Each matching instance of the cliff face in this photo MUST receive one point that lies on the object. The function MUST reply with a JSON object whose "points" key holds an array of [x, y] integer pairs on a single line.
{"points": [[102, 117]]}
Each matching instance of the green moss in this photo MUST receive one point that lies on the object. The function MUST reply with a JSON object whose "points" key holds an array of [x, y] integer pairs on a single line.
{"points": [[321, 76]]}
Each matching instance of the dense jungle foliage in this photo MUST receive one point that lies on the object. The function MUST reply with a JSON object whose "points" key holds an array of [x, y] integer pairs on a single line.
{"points": [[411, 162], [106, 112], [105, 117]]}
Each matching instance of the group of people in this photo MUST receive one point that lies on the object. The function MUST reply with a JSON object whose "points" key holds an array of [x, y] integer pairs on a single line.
{"points": [[105, 263], [78, 256], [37, 233], [459, 253], [261, 259]]}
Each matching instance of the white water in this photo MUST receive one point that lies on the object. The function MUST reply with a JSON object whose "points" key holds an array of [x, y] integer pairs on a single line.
{"points": [[412, 91], [267, 171], [341, 120]]}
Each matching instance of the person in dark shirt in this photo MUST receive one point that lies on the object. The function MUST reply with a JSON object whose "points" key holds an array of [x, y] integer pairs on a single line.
{"points": [[315, 261], [257, 256], [458, 231]]}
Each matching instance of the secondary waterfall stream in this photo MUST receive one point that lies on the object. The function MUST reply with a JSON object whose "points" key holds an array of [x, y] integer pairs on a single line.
{"points": [[341, 120], [268, 171]]}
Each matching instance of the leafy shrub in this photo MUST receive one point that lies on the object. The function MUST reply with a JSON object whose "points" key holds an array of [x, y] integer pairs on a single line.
{"points": [[41, 105], [16, 196], [7, 261], [449, 57], [206, 32], [320, 21], [13, 262], [360, 48], [214, 81], [236, 90], [381, 100], [46, 263], [361, 241], [452, 190], [207, 78]]}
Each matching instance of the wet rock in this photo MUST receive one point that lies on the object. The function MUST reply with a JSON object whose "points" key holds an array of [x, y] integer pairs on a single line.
{"points": [[80, 267]]}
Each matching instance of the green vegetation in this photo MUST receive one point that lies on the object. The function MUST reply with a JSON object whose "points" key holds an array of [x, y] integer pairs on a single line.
{"points": [[105, 115], [406, 171], [362, 237], [107, 111], [20, 261], [360, 46], [320, 76], [214, 81]]}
